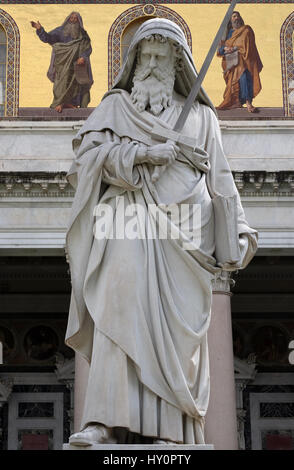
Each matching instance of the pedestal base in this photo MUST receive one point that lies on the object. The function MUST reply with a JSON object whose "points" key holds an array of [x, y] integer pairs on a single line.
{"points": [[136, 447]]}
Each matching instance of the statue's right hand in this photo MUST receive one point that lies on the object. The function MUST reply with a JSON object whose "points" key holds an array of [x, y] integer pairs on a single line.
{"points": [[162, 154], [36, 25]]}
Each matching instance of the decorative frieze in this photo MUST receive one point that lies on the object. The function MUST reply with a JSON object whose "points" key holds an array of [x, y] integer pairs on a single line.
{"points": [[23, 185], [222, 283], [36, 185], [264, 183]]}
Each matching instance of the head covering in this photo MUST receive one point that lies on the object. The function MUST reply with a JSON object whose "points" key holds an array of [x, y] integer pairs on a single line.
{"points": [[68, 17], [185, 78]]}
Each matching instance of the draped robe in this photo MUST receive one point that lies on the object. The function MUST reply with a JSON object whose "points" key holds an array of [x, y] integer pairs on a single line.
{"points": [[140, 308]]}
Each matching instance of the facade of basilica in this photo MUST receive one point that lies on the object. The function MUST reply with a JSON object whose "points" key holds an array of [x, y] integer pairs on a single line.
{"points": [[37, 375]]}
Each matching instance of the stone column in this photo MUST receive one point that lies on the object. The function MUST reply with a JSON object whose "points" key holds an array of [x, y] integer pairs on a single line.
{"points": [[221, 421], [81, 381]]}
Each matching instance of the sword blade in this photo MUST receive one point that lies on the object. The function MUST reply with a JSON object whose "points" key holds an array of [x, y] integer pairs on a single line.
{"points": [[198, 82]]}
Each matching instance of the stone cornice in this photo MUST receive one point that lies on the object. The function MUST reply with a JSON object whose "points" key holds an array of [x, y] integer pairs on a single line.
{"points": [[234, 126], [257, 126], [54, 185], [37, 126], [264, 183], [35, 185]]}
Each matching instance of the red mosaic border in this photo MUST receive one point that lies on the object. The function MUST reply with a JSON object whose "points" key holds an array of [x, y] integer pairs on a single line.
{"points": [[124, 19]]}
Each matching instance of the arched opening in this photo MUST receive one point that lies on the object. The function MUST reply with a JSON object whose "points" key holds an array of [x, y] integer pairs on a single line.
{"points": [[125, 26], [287, 62], [9, 65], [128, 33]]}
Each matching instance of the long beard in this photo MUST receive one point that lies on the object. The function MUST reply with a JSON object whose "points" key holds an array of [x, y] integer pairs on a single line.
{"points": [[236, 24], [153, 88], [72, 30]]}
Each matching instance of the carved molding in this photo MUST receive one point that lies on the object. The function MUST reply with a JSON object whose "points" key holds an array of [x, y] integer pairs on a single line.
{"points": [[24, 185], [44, 185], [221, 284], [263, 183]]}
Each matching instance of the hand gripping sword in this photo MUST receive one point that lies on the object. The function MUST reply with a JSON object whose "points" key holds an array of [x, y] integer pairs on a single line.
{"points": [[173, 135]]}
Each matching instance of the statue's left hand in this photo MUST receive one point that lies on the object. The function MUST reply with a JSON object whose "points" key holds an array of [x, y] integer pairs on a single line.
{"points": [[81, 61]]}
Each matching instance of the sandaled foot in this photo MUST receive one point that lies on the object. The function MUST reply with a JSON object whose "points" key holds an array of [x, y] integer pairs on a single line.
{"points": [[93, 434], [59, 108], [250, 108]]}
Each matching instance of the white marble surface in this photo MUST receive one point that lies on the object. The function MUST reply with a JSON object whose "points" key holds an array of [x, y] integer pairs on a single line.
{"points": [[146, 447], [37, 146], [40, 223], [259, 145], [42, 227], [46, 145]]}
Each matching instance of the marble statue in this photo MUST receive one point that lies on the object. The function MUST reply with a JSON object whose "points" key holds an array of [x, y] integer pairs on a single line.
{"points": [[140, 305]]}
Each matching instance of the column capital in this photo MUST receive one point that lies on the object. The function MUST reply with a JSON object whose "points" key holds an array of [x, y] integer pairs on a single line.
{"points": [[222, 282]]}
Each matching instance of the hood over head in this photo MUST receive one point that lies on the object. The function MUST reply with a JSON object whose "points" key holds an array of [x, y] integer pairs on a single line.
{"points": [[185, 78], [68, 17]]}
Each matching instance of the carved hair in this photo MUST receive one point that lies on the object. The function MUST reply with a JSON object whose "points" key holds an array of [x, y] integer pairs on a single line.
{"points": [[177, 49]]}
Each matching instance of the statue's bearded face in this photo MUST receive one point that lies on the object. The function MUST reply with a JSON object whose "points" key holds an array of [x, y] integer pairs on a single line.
{"points": [[154, 75]]}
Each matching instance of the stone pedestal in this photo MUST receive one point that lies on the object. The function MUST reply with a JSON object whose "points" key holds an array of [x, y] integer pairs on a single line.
{"points": [[221, 421], [135, 447]]}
